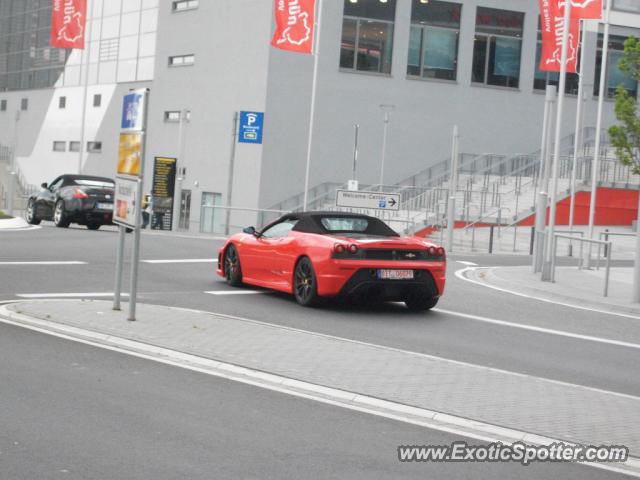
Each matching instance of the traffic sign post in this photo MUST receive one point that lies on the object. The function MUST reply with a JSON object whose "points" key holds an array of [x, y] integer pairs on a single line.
{"points": [[129, 184], [368, 200]]}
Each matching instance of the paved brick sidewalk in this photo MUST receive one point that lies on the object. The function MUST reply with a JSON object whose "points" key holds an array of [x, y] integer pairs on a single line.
{"points": [[535, 405], [574, 286]]}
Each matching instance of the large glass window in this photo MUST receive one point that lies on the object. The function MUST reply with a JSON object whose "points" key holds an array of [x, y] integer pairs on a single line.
{"points": [[433, 44], [367, 35], [497, 47], [541, 79], [614, 76]]}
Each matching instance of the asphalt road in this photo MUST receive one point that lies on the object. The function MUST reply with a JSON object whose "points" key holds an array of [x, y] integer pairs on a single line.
{"points": [[72, 411], [446, 335]]}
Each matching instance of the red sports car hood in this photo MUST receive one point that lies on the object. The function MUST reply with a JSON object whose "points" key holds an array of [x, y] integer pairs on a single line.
{"points": [[385, 242]]}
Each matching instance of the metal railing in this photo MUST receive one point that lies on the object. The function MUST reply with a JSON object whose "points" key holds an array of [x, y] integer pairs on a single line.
{"points": [[600, 243], [213, 218]]}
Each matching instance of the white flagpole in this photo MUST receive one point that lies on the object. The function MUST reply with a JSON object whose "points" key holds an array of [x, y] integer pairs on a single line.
{"points": [[596, 153], [577, 144], [314, 85], [83, 127], [546, 270]]}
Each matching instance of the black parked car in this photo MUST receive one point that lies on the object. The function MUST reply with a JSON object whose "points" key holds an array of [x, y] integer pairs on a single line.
{"points": [[81, 199]]}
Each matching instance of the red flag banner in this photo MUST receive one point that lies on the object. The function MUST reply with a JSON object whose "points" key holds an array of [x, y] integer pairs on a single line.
{"points": [[294, 25], [68, 21], [583, 9], [552, 25]]}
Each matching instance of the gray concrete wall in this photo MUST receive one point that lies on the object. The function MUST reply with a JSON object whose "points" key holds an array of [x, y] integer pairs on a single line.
{"points": [[230, 40]]}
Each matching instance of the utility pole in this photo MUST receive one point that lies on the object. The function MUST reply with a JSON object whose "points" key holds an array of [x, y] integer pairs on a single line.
{"points": [[453, 186], [543, 195], [184, 117], [232, 161], [386, 112]]}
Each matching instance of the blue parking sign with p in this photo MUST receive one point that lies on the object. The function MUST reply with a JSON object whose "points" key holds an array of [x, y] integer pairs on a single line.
{"points": [[133, 111], [251, 124]]}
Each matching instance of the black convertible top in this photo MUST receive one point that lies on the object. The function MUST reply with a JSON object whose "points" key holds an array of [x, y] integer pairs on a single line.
{"points": [[311, 222]]}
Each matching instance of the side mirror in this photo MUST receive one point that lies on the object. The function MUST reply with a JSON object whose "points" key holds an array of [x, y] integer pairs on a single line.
{"points": [[250, 231], [44, 185]]}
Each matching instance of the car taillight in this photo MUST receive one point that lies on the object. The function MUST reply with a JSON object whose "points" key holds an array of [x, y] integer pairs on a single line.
{"points": [[339, 248], [433, 251], [440, 251], [79, 194], [353, 249]]}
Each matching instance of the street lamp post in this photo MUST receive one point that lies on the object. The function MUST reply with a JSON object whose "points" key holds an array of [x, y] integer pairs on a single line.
{"points": [[386, 112], [184, 117], [546, 268]]}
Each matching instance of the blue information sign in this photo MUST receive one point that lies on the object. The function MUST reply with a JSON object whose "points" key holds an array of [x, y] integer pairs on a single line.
{"points": [[133, 111], [251, 127]]}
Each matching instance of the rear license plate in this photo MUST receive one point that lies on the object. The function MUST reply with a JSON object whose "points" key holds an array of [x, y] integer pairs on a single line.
{"points": [[395, 274], [104, 206]]}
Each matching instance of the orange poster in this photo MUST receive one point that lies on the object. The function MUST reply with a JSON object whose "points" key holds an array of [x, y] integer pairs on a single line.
{"points": [[129, 154]]}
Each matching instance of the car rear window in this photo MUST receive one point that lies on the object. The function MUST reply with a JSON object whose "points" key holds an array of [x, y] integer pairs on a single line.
{"points": [[93, 183], [345, 224]]}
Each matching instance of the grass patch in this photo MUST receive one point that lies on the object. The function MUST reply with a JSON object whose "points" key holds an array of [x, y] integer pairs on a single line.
{"points": [[4, 216]]}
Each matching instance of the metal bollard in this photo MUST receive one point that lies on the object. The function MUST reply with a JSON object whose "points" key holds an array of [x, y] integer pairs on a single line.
{"points": [[532, 242], [606, 239], [491, 239]]}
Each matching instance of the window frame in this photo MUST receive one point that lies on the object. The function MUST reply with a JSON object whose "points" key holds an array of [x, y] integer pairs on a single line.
{"points": [[62, 102], [488, 50], [183, 63], [59, 146], [424, 27], [3, 105], [390, 28], [596, 80], [94, 147]]}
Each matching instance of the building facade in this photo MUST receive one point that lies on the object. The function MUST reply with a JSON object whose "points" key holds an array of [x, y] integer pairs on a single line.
{"points": [[428, 64]]}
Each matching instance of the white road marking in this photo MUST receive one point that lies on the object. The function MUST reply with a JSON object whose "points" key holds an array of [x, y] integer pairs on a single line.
{"points": [[463, 427], [461, 276], [469, 264], [183, 260], [73, 262], [68, 295], [550, 331], [235, 292]]}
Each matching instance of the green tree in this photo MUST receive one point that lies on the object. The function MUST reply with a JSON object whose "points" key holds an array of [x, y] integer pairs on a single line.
{"points": [[625, 137]]}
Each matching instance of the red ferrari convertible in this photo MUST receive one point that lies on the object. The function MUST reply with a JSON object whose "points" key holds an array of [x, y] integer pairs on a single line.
{"points": [[314, 255]]}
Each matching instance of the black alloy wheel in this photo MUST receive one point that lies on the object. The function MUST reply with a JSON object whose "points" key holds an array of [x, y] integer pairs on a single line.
{"points": [[305, 285], [31, 217], [232, 267], [93, 226], [60, 216]]}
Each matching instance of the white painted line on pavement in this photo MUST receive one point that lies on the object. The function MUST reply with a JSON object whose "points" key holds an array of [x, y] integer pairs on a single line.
{"points": [[464, 427], [182, 260], [72, 262], [549, 331], [68, 295], [235, 292], [468, 264], [461, 276]]}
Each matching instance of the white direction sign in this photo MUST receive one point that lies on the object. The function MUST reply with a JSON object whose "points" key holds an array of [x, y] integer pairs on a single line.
{"points": [[124, 204], [372, 200]]}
